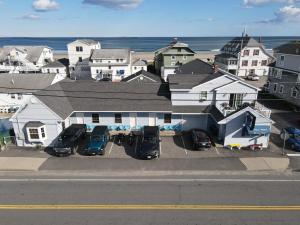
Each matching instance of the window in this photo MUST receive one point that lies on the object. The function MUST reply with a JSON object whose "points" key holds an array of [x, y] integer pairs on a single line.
{"points": [[246, 53], [97, 71], [118, 60], [184, 57], [256, 52], [281, 89], [12, 96], [20, 96], [109, 67], [252, 72], [275, 88], [121, 60], [282, 58], [118, 118], [203, 95], [294, 93], [48, 70], [254, 63], [245, 63], [168, 118], [173, 57], [57, 70], [79, 49], [95, 118], [232, 62], [43, 132], [135, 68], [80, 59], [264, 62], [34, 134], [179, 50]]}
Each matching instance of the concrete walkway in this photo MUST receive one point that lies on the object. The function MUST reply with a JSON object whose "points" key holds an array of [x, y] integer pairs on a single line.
{"points": [[263, 164], [20, 163]]}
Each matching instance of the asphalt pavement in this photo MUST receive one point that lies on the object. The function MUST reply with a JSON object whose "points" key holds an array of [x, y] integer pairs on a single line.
{"points": [[177, 200]]}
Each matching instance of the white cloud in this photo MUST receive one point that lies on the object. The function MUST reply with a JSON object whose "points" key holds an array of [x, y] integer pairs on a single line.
{"points": [[251, 3], [115, 4], [45, 5], [289, 13], [30, 17]]}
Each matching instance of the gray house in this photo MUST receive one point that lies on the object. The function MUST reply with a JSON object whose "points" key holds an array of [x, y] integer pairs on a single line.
{"points": [[188, 101], [284, 76]]}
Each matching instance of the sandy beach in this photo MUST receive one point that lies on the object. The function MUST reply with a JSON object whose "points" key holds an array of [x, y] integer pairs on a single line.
{"points": [[149, 56]]}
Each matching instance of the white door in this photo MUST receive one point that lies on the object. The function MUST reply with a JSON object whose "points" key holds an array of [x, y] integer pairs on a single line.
{"points": [[133, 120], [80, 118], [152, 119]]}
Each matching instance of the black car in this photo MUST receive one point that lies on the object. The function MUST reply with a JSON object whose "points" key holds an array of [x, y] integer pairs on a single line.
{"points": [[150, 146], [200, 139], [68, 140]]}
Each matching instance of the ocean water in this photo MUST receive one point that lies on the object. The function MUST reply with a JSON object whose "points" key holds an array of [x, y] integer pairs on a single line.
{"points": [[140, 44]]}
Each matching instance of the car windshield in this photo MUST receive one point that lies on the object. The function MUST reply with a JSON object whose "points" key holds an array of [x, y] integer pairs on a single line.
{"points": [[297, 137], [150, 139], [63, 137], [97, 138]]}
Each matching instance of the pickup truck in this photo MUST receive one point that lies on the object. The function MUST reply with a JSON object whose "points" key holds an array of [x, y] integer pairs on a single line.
{"points": [[68, 140], [98, 141]]}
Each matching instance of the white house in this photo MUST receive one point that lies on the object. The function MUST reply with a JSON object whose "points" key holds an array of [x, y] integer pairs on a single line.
{"points": [[114, 64], [205, 101], [17, 89], [55, 67], [139, 65], [79, 52], [243, 56], [22, 59]]}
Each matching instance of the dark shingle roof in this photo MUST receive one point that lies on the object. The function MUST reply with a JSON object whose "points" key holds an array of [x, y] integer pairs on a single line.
{"points": [[226, 56], [55, 64], [144, 73], [25, 83], [189, 109], [195, 66], [188, 81], [237, 42], [292, 48], [66, 97]]}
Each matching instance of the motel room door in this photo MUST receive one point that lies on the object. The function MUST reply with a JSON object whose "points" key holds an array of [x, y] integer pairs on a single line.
{"points": [[152, 119], [133, 120]]}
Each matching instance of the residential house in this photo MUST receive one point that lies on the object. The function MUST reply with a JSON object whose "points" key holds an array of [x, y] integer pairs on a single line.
{"points": [[17, 89], [243, 56], [56, 67], [24, 59], [284, 76], [114, 64], [205, 101], [139, 65], [79, 53], [169, 58]]}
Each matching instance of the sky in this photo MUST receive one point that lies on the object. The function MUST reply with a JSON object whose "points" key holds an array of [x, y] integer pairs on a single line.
{"points": [[148, 18]]}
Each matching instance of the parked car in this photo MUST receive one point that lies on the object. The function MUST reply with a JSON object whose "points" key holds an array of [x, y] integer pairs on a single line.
{"points": [[253, 77], [68, 140], [98, 141], [292, 137], [150, 146], [200, 139]]}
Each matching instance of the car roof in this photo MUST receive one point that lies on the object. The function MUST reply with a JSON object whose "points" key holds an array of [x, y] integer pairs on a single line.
{"points": [[99, 129], [71, 129]]}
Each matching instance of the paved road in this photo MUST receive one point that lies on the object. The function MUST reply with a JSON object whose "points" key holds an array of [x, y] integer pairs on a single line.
{"points": [[176, 200]]}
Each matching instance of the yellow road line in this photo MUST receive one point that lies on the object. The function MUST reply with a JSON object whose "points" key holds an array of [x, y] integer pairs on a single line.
{"points": [[152, 207]]}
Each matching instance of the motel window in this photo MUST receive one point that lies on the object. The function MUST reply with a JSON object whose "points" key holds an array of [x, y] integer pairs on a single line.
{"points": [[168, 118], [246, 53], [34, 134], [264, 62], [254, 63], [95, 118], [294, 93], [118, 118], [281, 89], [245, 63], [256, 52], [203, 95], [275, 87]]}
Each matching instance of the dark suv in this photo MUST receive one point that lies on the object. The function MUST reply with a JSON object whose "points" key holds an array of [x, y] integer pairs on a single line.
{"points": [[98, 141], [200, 139], [68, 140], [150, 147]]}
